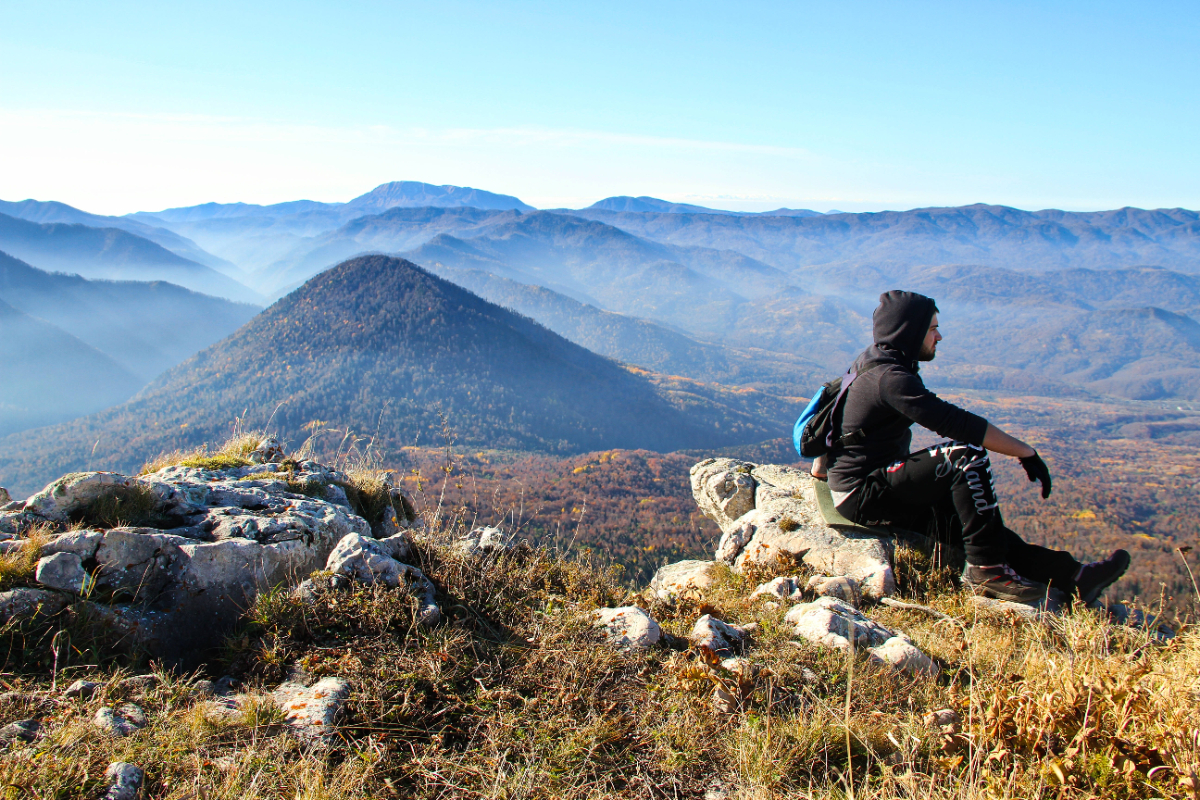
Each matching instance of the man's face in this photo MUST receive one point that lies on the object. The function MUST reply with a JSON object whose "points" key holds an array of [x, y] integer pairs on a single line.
{"points": [[932, 337]]}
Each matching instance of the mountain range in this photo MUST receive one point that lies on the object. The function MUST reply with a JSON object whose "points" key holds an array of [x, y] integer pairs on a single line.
{"points": [[115, 336], [689, 299], [111, 253], [383, 347], [654, 205]]}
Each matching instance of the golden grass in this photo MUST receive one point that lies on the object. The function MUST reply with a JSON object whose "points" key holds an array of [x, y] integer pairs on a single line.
{"points": [[17, 566], [234, 452]]}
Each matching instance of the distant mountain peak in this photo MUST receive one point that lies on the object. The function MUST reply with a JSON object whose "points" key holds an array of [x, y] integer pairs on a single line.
{"points": [[414, 194], [652, 205]]}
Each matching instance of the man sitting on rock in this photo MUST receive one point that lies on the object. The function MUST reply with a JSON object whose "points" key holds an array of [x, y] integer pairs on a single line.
{"points": [[873, 476]]}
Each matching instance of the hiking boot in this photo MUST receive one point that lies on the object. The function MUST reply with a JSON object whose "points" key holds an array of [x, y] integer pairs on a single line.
{"points": [[1000, 582], [1092, 579]]}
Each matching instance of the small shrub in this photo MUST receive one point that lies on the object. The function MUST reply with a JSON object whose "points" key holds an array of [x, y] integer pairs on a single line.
{"points": [[787, 524], [134, 506]]}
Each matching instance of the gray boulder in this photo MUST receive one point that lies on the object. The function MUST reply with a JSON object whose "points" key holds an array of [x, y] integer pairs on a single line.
{"points": [[122, 721], [899, 653], [24, 603], [75, 491], [62, 571], [269, 450], [723, 489], [842, 588], [833, 623], [683, 579], [4, 497], [82, 689], [628, 627], [25, 730], [484, 540], [782, 588]]}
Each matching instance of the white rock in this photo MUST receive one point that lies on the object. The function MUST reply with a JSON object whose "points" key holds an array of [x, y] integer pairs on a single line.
{"points": [[990, 606], [62, 571], [683, 579], [24, 603], [312, 711], [81, 689], [368, 561], [721, 637], [124, 781], [831, 622], [628, 627], [723, 488], [269, 450], [121, 721], [482, 541], [778, 518], [783, 588], [901, 654], [841, 588]]}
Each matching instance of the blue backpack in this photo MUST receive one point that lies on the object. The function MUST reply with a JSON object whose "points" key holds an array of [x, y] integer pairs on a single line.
{"points": [[813, 434]]}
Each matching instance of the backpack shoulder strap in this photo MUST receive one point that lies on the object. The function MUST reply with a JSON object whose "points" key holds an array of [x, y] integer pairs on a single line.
{"points": [[853, 437]]}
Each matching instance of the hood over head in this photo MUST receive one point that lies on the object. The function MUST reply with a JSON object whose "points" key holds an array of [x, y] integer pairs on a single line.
{"points": [[902, 320]]}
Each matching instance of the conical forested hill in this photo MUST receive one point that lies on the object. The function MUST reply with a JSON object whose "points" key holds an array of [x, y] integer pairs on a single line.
{"points": [[379, 346]]}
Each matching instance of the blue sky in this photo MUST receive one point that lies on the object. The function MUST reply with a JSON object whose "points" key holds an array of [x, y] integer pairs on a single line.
{"points": [[124, 106]]}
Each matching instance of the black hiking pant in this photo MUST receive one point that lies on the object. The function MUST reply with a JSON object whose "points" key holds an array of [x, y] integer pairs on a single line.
{"points": [[953, 480]]}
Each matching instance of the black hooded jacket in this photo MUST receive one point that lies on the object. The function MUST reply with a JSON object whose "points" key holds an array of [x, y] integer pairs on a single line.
{"points": [[886, 401]]}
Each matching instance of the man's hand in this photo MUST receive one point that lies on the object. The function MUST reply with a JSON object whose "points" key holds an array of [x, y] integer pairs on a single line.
{"points": [[1037, 470]]}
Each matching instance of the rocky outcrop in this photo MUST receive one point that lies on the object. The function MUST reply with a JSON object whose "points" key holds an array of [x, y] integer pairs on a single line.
{"points": [[26, 603], [204, 544], [376, 561], [768, 511]]}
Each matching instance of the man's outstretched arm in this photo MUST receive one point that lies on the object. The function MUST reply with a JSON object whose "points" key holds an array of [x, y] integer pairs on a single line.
{"points": [[998, 441]]}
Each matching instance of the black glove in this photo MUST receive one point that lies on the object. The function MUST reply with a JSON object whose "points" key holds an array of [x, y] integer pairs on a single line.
{"points": [[1037, 470]]}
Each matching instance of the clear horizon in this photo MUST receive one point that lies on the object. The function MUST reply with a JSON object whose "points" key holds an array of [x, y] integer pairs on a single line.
{"points": [[132, 107]]}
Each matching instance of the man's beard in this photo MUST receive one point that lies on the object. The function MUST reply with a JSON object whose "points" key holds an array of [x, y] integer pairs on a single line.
{"points": [[927, 353]]}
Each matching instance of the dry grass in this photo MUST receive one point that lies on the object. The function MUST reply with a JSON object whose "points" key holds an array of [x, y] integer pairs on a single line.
{"points": [[17, 566], [234, 452], [515, 696]]}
